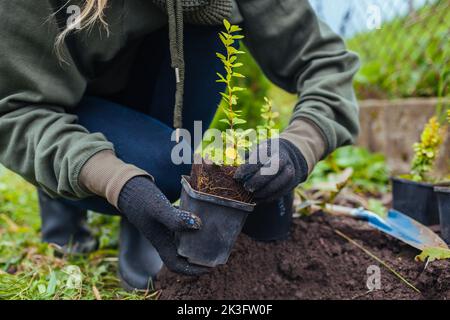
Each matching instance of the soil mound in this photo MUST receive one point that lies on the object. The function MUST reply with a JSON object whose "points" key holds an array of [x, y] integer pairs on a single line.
{"points": [[315, 263]]}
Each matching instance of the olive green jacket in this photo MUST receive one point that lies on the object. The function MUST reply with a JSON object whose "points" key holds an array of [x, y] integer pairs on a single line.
{"points": [[44, 143]]}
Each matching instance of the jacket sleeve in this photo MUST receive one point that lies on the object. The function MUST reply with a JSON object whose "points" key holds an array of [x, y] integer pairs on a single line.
{"points": [[302, 55], [38, 139]]}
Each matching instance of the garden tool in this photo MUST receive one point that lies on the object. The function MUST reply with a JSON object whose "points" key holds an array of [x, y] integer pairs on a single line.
{"points": [[396, 224]]}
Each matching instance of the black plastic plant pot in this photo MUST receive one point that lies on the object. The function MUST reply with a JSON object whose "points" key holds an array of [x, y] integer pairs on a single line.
{"points": [[271, 221], [415, 199], [222, 221], [443, 195]]}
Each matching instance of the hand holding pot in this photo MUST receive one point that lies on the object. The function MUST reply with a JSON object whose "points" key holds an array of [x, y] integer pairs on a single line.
{"points": [[146, 207], [273, 169]]}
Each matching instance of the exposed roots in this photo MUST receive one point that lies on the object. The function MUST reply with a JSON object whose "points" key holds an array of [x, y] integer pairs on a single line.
{"points": [[218, 180]]}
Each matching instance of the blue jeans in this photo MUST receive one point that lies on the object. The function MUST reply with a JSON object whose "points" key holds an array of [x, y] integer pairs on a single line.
{"points": [[138, 120]]}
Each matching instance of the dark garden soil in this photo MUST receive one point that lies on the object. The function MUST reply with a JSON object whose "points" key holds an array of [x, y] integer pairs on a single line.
{"points": [[315, 263], [218, 180]]}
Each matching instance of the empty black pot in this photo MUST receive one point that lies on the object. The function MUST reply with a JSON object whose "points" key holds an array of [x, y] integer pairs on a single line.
{"points": [[271, 221], [443, 195], [222, 220], [415, 199]]}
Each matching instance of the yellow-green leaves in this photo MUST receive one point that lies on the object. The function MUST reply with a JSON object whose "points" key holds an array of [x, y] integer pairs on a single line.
{"points": [[426, 151], [227, 24], [233, 140], [377, 207], [235, 29], [230, 63], [221, 57], [432, 254], [229, 27], [269, 116]]}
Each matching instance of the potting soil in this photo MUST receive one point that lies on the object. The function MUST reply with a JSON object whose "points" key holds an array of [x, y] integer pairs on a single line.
{"points": [[316, 263]]}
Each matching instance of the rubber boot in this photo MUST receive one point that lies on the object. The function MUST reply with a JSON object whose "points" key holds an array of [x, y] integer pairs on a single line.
{"points": [[65, 226], [139, 262], [270, 221]]}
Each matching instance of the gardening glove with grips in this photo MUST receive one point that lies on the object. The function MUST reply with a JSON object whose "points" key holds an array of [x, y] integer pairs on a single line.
{"points": [[146, 207], [292, 170]]}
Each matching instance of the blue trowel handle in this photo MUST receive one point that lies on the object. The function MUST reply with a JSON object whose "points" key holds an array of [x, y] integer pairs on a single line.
{"points": [[358, 213]]}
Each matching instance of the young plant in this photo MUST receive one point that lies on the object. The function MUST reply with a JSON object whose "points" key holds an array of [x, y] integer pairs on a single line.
{"points": [[267, 129], [234, 140], [426, 151]]}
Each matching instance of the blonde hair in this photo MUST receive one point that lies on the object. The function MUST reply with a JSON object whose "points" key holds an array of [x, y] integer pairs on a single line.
{"points": [[92, 12]]}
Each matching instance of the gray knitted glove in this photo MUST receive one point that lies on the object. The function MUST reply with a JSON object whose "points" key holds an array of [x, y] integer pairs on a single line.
{"points": [[292, 170], [146, 207]]}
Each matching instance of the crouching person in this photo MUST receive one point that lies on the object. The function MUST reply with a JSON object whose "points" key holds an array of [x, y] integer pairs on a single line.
{"points": [[87, 109]]}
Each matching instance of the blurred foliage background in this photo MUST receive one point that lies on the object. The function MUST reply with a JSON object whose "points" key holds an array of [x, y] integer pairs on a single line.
{"points": [[408, 57]]}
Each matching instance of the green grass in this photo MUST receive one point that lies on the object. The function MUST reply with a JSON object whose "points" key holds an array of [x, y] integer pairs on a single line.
{"points": [[29, 269], [407, 57]]}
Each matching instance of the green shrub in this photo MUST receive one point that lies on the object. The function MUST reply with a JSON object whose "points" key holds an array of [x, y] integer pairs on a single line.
{"points": [[407, 57]]}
